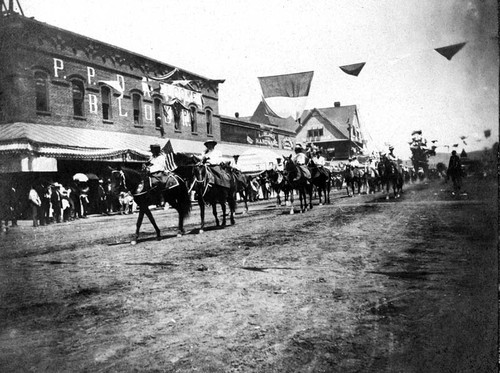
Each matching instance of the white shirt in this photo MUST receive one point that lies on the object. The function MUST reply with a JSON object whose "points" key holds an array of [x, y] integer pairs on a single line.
{"points": [[158, 163], [354, 163], [213, 156], [391, 157], [319, 161], [300, 159], [33, 197]]}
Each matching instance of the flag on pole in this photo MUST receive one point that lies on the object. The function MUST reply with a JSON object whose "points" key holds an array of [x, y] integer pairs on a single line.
{"points": [[353, 69], [449, 51], [169, 156], [286, 95]]}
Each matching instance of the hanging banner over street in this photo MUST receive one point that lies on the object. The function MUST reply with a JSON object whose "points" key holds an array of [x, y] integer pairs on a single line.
{"points": [[286, 95]]}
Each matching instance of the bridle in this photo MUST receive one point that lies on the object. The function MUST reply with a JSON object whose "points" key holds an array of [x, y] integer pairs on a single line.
{"points": [[203, 181], [122, 180]]}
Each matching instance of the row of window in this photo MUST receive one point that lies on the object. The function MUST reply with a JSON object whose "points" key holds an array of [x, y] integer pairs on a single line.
{"points": [[175, 115]]}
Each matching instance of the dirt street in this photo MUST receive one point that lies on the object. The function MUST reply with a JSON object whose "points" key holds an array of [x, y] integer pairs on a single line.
{"points": [[361, 285]]}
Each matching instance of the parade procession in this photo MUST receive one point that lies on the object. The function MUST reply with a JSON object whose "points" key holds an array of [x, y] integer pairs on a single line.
{"points": [[300, 188]]}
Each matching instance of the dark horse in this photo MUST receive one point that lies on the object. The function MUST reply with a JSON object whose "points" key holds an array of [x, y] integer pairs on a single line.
{"points": [[176, 195], [390, 176], [350, 180], [279, 183], [321, 178], [197, 177], [301, 184]]}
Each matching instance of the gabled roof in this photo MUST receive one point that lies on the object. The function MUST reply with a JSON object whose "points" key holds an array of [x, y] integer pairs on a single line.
{"points": [[262, 115], [340, 117]]}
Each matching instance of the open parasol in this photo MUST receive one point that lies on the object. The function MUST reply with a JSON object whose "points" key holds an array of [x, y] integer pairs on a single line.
{"points": [[80, 177]]}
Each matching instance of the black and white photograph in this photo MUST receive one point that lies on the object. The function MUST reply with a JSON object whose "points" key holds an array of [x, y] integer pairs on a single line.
{"points": [[230, 186]]}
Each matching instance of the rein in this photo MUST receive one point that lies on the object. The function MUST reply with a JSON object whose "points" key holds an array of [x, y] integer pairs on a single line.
{"points": [[204, 181]]}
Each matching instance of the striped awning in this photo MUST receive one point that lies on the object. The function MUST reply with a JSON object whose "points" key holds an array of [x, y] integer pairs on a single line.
{"points": [[62, 142]]}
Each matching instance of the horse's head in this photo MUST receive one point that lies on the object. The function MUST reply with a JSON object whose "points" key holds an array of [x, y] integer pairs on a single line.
{"points": [[118, 183], [200, 172]]}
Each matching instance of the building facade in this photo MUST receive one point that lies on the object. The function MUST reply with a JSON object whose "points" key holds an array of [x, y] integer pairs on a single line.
{"points": [[89, 99], [336, 130]]}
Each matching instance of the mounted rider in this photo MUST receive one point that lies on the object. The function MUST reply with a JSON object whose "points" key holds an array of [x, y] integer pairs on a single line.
{"points": [[156, 166], [301, 161], [213, 158], [319, 161]]}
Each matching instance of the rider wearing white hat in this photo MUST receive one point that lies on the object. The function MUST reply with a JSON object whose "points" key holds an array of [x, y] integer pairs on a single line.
{"points": [[301, 160]]}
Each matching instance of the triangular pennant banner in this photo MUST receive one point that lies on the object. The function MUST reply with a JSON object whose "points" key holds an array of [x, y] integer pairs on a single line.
{"points": [[288, 85], [353, 69], [449, 51]]}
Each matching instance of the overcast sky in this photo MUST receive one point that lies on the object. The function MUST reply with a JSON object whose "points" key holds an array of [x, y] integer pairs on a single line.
{"points": [[404, 86]]}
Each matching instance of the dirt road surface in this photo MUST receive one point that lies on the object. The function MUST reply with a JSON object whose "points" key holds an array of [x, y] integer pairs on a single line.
{"points": [[361, 285]]}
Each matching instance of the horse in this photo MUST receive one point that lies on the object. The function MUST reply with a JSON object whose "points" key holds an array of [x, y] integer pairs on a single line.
{"points": [[391, 176], [321, 178], [303, 186], [279, 183], [349, 179], [176, 195], [213, 194]]}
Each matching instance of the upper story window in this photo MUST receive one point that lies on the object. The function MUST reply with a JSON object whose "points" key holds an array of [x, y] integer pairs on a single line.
{"points": [[158, 113], [318, 132], [106, 102], [41, 91], [208, 117], [137, 104], [78, 94], [193, 111]]}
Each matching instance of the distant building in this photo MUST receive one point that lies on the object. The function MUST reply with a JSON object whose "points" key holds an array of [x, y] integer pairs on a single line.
{"points": [[336, 130], [245, 131]]}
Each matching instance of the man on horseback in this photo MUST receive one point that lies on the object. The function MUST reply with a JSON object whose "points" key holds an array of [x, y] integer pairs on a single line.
{"points": [[213, 158], [157, 166], [301, 161]]}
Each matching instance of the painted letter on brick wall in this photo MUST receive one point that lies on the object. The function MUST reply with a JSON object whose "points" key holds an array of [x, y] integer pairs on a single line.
{"points": [[93, 104], [58, 65], [120, 108], [148, 112], [90, 74]]}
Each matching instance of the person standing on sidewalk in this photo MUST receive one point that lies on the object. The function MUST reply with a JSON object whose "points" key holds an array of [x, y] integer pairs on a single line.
{"points": [[35, 203]]}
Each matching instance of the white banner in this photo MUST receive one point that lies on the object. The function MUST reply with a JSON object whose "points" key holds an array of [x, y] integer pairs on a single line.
{"points": [[186, 96]]}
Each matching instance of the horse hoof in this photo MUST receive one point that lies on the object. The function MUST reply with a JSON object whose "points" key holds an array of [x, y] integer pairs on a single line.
{"points": [[133, 242], [292, 212]]}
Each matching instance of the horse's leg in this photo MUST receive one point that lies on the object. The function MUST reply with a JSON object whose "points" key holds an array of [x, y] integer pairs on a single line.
{"points": [[214, 212], [201, 204], [291, 202], [149, 214], [310, 197], [224, 212], [138, 226]]}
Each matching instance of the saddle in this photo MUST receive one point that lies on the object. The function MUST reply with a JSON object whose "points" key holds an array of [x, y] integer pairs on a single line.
{"points": [[217, 176], [162, 180]]}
